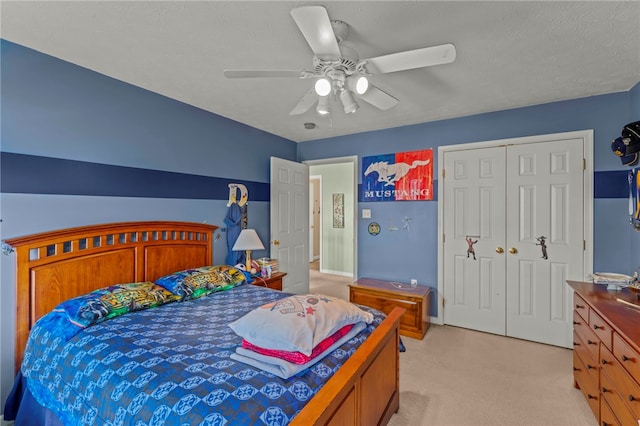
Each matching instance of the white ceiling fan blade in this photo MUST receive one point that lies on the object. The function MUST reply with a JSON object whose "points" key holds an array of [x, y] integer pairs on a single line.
{"points": [[378, 98], [410, 59], [263, 73], [305, 103], [315, 26]]}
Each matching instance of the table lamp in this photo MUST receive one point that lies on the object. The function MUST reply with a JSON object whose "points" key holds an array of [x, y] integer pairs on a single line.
{"points": [[248, 240]]}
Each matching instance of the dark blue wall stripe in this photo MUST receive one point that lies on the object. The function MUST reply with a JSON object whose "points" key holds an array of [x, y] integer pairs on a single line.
{"points": [[32, 174], [611, 184]]}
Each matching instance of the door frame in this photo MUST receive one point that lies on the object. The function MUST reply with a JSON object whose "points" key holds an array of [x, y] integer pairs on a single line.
{"points": [[338, 160], [587, 138], [318, 178]]}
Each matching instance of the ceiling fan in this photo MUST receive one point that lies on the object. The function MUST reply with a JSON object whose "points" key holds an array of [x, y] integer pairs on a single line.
{"points": [[338, 71]]}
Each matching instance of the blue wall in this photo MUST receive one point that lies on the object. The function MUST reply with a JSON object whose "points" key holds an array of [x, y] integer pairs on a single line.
{"points": [[80, 148], [404, 255]]}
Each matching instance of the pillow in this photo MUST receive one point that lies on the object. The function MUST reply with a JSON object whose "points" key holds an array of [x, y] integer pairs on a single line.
{"points": [[197, 282], [298, 323], [109, 302]]}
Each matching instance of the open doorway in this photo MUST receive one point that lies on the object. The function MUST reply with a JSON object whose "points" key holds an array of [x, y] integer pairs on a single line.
{"points": [[334, 264]]}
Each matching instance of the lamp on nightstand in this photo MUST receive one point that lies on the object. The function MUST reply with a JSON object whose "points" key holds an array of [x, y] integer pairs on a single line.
{"points": [[248, 240]]}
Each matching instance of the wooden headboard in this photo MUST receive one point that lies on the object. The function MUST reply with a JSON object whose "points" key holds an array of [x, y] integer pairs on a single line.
{"points": [[52, 267]]}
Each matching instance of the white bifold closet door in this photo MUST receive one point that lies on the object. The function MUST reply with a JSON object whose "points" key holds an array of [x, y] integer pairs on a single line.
{"points": [[513, 234]]}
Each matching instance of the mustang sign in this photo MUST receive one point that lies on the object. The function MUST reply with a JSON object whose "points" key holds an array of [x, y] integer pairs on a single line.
{"points": [[399, 176]]}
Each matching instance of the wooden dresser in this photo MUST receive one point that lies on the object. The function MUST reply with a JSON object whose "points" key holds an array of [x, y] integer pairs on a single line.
{"points": [[606, 357], [274, 282], [384, 296]]}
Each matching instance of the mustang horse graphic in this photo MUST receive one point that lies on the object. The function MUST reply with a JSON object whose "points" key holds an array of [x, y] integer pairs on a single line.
{"points": [[391, 173]]}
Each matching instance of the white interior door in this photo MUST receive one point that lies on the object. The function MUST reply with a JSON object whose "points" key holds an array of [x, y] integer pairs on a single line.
{"points": [[290, 222], [519, 210], [545, 223], [474, 200]]}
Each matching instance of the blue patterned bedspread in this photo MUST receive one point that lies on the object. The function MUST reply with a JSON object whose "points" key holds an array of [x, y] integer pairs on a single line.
{"points": [[171, 365]]}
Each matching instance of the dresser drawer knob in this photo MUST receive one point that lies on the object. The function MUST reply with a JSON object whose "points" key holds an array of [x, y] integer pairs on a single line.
{"points": [[595, 327], [576, 344], [605, 362], [580, 306], [591, 342], [590, 367], [576, 322], [632, 398], [626, 358], [591, 396], [605, 390]]}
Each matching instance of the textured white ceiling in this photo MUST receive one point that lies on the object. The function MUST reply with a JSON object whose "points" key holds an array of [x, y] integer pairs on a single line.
{"points": [[509, 54]]}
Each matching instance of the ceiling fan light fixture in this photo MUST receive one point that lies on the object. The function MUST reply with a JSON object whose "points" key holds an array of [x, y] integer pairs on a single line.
{"points": [[323, 105], [348, 102], [323, 86], [358, 83]]}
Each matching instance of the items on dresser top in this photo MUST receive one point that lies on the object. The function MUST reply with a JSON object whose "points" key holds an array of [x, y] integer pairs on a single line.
{"points": [[606, 361]]}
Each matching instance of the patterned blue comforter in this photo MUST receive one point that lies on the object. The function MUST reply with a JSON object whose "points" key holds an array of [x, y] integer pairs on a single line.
{"points": [[171, 365]]}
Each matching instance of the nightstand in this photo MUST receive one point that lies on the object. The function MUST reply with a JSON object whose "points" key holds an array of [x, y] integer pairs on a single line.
{"points": [[275, 282]]}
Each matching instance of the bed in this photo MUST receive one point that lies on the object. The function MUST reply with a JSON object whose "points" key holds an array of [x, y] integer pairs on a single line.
{"points": [[55, 266]]}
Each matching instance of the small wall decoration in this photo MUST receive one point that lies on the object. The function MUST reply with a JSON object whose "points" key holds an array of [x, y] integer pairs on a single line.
{"points": [[374, 228], [399, 176], [338, 210]]}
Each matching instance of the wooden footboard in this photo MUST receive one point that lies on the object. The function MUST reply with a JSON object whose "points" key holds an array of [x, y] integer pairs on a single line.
{"points": [[365, 391]]}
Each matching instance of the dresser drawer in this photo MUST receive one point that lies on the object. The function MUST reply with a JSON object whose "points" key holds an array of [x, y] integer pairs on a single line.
{"points": [[602, 329], [581, 307], [627, 356], [614, 403], [588, 337], [586, 356], [585, 380], [627, 388], [607, 418]]}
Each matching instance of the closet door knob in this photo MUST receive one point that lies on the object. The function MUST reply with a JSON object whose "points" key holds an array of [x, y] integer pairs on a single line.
{"points": [[499, 250], [513, 250], [276, 242]]}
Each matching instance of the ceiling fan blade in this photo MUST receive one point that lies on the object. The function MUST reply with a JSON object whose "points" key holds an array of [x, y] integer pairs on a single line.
{"points": [[378, 98], [263, 73], [410, 59], [315, 26], [305, 103]]}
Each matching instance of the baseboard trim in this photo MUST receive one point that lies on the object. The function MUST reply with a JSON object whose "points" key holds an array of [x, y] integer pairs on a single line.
{"points": [[341, 273]]}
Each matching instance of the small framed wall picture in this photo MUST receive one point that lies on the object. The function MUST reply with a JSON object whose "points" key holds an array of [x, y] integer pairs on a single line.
{"points": [[338, 210]]}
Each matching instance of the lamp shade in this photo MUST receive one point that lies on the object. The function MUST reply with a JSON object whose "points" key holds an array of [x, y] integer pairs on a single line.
{"points": [[248, 240]]}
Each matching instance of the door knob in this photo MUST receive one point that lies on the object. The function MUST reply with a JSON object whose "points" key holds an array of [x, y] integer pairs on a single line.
{"points": [[499, 250], [276, 242], [513, 250]]}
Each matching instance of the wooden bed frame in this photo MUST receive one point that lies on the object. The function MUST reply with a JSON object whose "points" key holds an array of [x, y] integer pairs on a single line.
{"points": [[58, 265]]}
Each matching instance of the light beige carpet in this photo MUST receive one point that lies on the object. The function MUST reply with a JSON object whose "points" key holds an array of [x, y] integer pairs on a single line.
{"points": [[459, 377], [329, 284]]}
